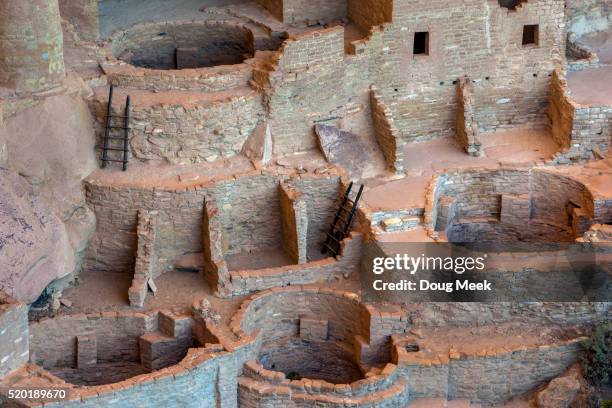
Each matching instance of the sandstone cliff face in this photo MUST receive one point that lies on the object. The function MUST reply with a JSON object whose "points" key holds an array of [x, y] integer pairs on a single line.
{"points": [[34, 245], [44, 221]]}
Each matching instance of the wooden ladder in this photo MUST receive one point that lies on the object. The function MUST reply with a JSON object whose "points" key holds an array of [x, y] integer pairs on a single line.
{"points": [[106, 148], [341, 225]]}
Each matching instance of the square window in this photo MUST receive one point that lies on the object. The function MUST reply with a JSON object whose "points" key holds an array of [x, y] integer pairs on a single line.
{"points": [[531, 34], [421, 43]]}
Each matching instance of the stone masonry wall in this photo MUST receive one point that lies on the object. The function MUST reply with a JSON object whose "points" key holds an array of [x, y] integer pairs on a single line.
{"points": [[53, 341], [146, 265], [475, 199], [561, 112], [277, 314], [467, 127], [294, 224], [386, 132], [474, 39], [205, 378], [324, 270], [188, 132], [501, 376], [297, 88], [215, 267], [248, 214], [209, 79], [14, 340], [153, 45], [579, 129]]}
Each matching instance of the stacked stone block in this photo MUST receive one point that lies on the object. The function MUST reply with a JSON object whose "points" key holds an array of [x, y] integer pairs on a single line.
{"points": [[294, 223], [387, 134], [14, 339], [467, 127], [147, 263]]}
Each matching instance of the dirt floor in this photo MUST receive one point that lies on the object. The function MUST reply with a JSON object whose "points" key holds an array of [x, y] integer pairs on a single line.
{"points": [[99, 292], [594, 86], [423, 160]]}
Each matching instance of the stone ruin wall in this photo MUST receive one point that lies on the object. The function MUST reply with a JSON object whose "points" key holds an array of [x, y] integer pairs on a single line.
{"points": [[14, 339], [578, 129], [249, 215], [195, 132], [491, 194], [488, 46], [53, 341], [512, 84], [505, 373]]}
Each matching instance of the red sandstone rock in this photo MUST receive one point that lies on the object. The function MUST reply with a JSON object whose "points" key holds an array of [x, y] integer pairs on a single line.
{"points": [[34, 246]]}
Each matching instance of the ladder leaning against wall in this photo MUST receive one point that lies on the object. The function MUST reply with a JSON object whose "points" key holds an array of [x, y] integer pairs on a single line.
{"points": [[109, 142], [341, 225]]}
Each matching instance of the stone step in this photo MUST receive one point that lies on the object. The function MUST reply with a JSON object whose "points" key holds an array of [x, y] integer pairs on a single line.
{"points": [[175, 325], [400, 224], [158, 350]]}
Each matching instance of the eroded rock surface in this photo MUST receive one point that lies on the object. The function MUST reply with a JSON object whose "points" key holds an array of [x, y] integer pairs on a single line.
{"points": [[34, 246]]}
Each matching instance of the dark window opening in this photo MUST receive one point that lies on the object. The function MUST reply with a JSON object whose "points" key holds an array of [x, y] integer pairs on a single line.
{"points": [[421, 43], [530, 35], [510, 4]]}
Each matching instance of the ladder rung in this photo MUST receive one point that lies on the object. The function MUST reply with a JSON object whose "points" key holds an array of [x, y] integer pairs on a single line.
{"points": [[114, 149], [116, 161], [115, 138], [332, 237], [116, 116], [118, 127], [332, 250]]}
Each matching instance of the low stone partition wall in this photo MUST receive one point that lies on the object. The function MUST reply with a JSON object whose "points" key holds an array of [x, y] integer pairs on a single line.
{"points": [[294, 224], [14, 339], [467, 127], [387, 134], [582, 131], [454, 314], [324, 270], [205, 377], [146, 268], [503, 373]]}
